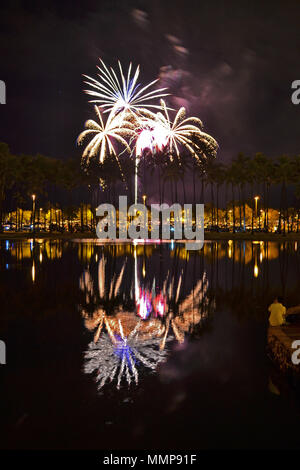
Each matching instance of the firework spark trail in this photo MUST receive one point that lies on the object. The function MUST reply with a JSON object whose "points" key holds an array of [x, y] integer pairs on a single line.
{"points": [[125, 95]]}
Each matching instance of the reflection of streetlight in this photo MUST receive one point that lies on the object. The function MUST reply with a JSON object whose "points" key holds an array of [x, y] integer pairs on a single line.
{"points": [[33, 272], [144, 269]]}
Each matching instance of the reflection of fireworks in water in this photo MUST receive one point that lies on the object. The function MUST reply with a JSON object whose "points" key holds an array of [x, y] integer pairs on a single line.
{"points": [[125, 340], [115, 357], [143, 303], [181, 314], [160, 305], [146, 304]]}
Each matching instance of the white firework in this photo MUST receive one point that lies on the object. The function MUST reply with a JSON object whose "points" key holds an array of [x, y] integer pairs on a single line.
{"points": [[103, 133], [118, 357], [122, 94], [185, 132], [158, 132]]}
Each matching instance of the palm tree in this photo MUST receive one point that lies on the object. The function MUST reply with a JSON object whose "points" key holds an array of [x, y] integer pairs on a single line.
{"points": [[241, 168], [209, 181], [214, 176], [297, 195], [296, 170], [7, 175], [283, 175], [231, 178], [127, 165], [184, 164], [219, 180], [172, 174], [264, 171], [251, 181]]}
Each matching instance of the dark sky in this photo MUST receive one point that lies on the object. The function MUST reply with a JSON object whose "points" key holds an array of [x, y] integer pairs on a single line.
{"points": [[231, 63]]}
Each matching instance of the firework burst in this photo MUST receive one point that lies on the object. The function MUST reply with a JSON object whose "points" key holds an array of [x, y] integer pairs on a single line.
{"points": [[186, 132], [158, 132], [123, 93], [102, 134], [137, 124]]}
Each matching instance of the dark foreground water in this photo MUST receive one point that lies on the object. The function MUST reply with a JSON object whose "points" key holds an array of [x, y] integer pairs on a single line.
{"points": [[146, 346]]}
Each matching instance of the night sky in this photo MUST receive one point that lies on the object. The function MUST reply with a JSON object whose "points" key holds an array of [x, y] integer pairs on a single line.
{"points": [[230, 63]]}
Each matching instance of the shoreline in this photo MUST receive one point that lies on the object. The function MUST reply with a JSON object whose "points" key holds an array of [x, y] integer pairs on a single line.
{"points": [[208, 236]]}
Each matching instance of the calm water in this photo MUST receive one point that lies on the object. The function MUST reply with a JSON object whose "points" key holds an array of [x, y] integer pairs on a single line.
{"points": [[146, 346]]}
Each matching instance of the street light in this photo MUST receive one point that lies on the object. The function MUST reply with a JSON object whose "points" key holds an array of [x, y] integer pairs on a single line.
{"points": [[230, 218], [256, 199], [33, 209], [144, 199], [40, 217]]}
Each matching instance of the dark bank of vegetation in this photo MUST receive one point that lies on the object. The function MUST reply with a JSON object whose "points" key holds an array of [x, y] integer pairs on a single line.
{"points": [[61, 187]]}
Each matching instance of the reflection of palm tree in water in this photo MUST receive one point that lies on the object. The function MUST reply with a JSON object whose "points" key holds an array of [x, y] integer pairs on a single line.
{"points": [[191, 311], [122, 339]]}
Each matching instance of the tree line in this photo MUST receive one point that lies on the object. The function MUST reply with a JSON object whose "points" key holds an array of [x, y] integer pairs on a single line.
{"points": [[232, 187], [53, 182]]}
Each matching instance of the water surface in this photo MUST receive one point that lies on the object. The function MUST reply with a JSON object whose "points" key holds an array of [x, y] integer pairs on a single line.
{"points": [[143, 346]]}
